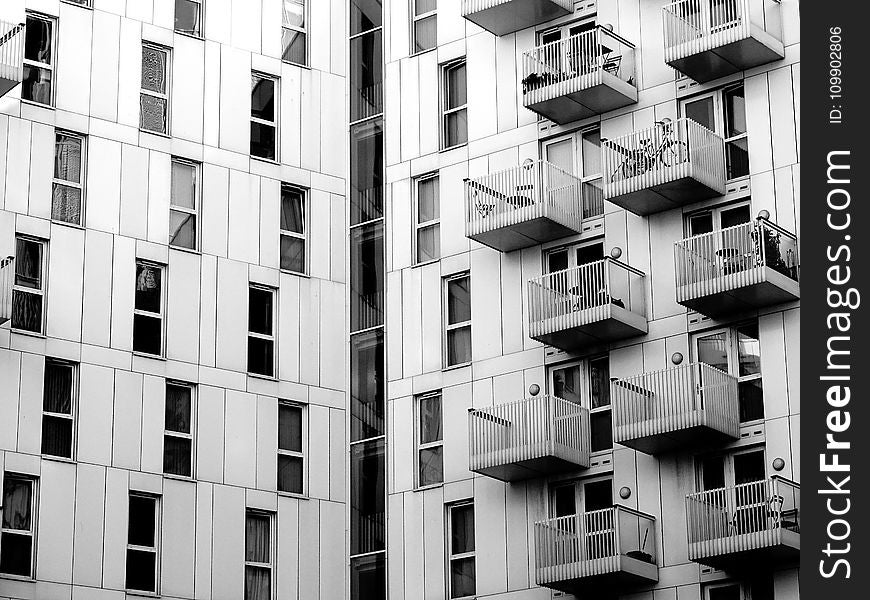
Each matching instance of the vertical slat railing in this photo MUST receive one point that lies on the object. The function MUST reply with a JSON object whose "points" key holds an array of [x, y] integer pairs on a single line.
{"points": [[7, 279], [11, 51]]}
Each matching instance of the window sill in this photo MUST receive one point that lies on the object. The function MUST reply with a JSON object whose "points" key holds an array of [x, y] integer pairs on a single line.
{"points": [[195, 251], [457, 146], [268, 161], [58, 459], [77, 4], [156, 134], [422, 52], [190, 479], [142, 594], [294, 495], [186, 34], [37, 104], [33, 334], [296, 273], [21, 578], [296, 64], [455, 367], [426, 263], [151, 356], [431, 486], [263, 377], [68, 224]]}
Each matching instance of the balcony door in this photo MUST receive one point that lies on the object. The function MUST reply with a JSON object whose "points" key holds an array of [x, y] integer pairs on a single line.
{"points": [[587, 383], [723, 112], [719, 254], [579, 154], [566, 59], [742, 507], [587, 500]]}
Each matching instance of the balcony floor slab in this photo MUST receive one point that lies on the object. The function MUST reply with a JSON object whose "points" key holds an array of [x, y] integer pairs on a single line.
{"points": [[729, 293], [577, 98], [576, 330], [595, 576], [512, 16], [759, 48], [746, 552], [523, 234], [658, 436], [666, 196]]}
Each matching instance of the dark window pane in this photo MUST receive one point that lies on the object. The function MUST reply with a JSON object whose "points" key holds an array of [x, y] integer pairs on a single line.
{"points": [[141, 570], [263, 98], [462, 529], [152, 113], [293, 47], [456, 92], [431, 466], [261, 357], [738, 158], [37, 40], [364, 15], [702, 111], [430, 419], [726, 592], [57, 388], [263, 141], [367, 497], [566, 383], [148, 285], [258, 544], [258, 583], [260, 311], [459, 346], [601, 433], [182, 229], [748, 349], [368, 578], [735, 112], [36, 85], [428, 207], [425, 34], [154, 69], [293, 13], [178, 409], [735, 216], [366, 172], [428, 243], [292, 209], [290, 427], [68, 158], [458, 300], [147, 334], [57, 433], [599, 382], [713, 473], [367, 385], [713, 351], [290, 474], [424, 6], [565, 500], [183, 185], [462, 577], [17, 551], [702, 223], [749, 467], [28, 263], [17, 503], [598, 495], [177, 456], [367, 276], [187, 17], [366, 76], [140, 528], [26, 311], [292, 254], [751, 399], [66, 204], [457, 128]]}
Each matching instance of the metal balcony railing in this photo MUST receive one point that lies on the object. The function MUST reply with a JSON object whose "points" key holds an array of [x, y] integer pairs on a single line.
{"points": [[745, 518], [501, 17], [11, 55], [665, 166], [653, 411], [595, 544], [7, 278], [528, 433]]}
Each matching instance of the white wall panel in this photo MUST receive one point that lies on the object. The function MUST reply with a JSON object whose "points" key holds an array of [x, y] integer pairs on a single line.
{"points": [[10, 375], [235, 104], [90, 490], [153, 421], [240, 439], [115, 528], [188, 56], [105, 66], [64, 301], [182, 314], [178, 540], [54, 558], [123, 290], [73, 73], [228, 542], [30, 404], [104, 185], [41, 170], [134, 191], [232, 305], [16, 164], [244, 213], [127, 424]]}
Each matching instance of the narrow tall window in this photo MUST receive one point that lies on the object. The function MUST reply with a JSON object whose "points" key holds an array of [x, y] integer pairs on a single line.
{"points": [[430, 451], [294, 229], [261, 331], [427, 225], [457, 326], [154, 96], [425, 25], [455, 104], [736, 142], [293, 34], [258, 555], [264, 117], [148, 309], [601, 429], [290, 457], [188, 17], [67, 193], [58, 408], [18, 525], [178, 432], [460, 550], [143, 526], [184, 204], [38, 78], [28, 290]]}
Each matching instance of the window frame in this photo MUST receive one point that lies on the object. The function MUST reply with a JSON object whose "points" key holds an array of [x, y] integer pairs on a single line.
{"points": [[306, 12], [448, 327], [276, 81], [42, 291], [164, 95], [451, 556], [715, 213], [720, 118], [26, 62], [73, 407], [272, 517], [447, 111], [199, 35], [431, 224], [33, 481], [418, 438], [83, 165], [578, 160], [197, 198], [270, 338], [151, 549], [416, 18], [579, 489], [300, 454], [728, 456], [572, 251], [164, 269], [180, 434], [306, 228], [584, 365]]}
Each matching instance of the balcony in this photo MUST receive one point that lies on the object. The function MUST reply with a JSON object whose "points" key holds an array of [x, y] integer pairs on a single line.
{"points": [[11, 55], [502, 17], [612, 549], [663, 167], [751, 523], [751, 265], [7, 278], [525, 206], [709, 39], [598, 302], [692, 405], [535, 437], [584, 75]]}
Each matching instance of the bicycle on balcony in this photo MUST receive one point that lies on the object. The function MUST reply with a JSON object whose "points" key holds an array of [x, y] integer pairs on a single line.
{"points": [[663, 150]]}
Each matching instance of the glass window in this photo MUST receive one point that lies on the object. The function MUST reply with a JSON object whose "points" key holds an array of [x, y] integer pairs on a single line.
{"points": [[367, 385], [28, 288], [368, 577], [425, 25], [142, 543], [264, 118], [261, 331], [366, 76], [737, 351], [178, 430], [184, 205], [294, 229], [461, 547], [188, 17], [367, 497], [67, 190], [258, 555], [367, 276], [601, 429], [18, 525], [148, 309], [427, 235], [457, 327], [290, 457], [724, 112], [59, 394], [154, 97], [293, 32], [38, 75], [364, 15], [366, 172], [430, 451], [455, 103]]}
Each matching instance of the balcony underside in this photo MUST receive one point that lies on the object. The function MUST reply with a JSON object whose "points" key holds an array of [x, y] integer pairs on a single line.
{"points": [[580, 97], [718, 58], [584, 327], [748, 551], [540, 466], [656, 436], [756, 287], [678, 191], [515, 15], [522, 234], [7, 82], [610, 574]]}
